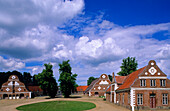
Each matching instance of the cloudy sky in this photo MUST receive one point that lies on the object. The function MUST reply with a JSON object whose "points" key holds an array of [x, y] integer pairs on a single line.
{"points": [[95, 35]]}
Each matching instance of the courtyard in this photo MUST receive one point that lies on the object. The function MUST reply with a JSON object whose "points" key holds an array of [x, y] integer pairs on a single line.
{"points": [[101, 105]]}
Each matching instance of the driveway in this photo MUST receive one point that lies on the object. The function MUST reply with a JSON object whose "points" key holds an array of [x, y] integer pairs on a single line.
{"points": [[10, 105]]}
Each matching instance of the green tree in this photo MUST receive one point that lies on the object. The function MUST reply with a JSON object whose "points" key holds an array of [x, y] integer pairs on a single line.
{"points": [[110, 77], [129, 65], [27, 78], [67, 79], [90, 80], [47, 81], [34, 80]]}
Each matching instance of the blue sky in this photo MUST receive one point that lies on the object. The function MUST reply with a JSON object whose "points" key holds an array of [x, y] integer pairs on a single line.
{"points": [[131, 12], [94, 35]]}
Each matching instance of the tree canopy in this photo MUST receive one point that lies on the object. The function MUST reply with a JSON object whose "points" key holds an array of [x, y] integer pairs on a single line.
{"points": [[90, 80], [110, 78], [129, 65], [47, 81], [67, 79]]}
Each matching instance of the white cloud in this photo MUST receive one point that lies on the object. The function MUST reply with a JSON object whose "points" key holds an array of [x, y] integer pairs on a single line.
{"points": [[98, 51], [17, 15], [97, 47], [10, 64]]}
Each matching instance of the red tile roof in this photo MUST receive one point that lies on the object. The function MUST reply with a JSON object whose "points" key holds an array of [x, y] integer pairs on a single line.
{"points": [[82, 88], [130, 79], [120, 79], [34, 88]]}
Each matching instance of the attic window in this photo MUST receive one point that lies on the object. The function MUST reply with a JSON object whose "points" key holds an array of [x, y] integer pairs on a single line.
{"points": [[143, 82], [163, 82], [153, 82]]}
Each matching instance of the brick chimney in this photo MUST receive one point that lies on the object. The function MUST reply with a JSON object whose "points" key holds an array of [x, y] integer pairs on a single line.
{"points": [[113, 77]]}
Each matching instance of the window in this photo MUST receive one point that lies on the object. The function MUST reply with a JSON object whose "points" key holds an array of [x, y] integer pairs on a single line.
{"points": [[139, 99], [153, 82], [164, 99], [163, 82], [123, 99], [142, 82], [128, 98], [119, 98]]}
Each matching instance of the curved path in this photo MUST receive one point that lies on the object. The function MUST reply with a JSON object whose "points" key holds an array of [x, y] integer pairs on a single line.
{"points": [[10, 105]]}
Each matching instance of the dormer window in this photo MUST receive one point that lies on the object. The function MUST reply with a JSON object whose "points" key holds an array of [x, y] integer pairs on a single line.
{"points": [[143, 82], [153, 82], [163, 82]]}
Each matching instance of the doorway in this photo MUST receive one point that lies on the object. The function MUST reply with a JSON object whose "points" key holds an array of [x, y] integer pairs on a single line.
{"points": [[153, 100], [96, 94]]}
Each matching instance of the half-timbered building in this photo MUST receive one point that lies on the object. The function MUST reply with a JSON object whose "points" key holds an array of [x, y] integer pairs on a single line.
{"points": [[14, 89]]}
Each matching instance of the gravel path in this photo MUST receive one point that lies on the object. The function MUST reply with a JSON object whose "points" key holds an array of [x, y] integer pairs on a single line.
{"points": [[10, 105]]}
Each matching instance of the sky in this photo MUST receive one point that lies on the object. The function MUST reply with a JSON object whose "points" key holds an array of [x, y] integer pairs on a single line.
{"points": [[95, 35]]}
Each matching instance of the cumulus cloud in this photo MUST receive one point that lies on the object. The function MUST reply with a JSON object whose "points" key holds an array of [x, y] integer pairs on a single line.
{"points": [[10, 64], [41, 31], [98, 51], [17, 15]]}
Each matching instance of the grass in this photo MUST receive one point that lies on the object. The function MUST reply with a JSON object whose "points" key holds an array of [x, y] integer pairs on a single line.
{"points": [[58, 106]]}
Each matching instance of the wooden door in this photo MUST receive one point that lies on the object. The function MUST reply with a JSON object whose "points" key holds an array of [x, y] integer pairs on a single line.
{"points": [[152, 102]]}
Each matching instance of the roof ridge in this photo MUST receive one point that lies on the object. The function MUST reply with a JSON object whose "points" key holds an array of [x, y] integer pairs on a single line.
{"points": [[130, 78]]}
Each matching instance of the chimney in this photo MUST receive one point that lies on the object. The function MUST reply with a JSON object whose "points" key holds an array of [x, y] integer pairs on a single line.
{"points": [[113, 77]]}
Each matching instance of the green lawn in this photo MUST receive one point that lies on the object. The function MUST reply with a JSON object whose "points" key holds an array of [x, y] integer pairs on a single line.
{"points": [[58, 106]]}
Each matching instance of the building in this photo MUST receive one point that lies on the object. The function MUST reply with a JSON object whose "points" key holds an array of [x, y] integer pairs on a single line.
{"points": [[117, 81], [14, 89], [36, 90], [146, 88], [98, 87], [81, 89]]}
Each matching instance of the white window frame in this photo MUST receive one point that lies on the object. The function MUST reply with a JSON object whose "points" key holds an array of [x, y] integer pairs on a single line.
{"points": [[153, 82], [142, 82], [163, 82], [165, 99], [140, 99]]}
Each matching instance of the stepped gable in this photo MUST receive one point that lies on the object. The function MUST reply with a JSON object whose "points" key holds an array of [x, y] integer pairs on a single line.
{"points": [[131, 78]]}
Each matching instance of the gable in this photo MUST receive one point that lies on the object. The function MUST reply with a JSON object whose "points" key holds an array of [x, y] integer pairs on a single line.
{"points": [[13, 81], [152, 70], [102, 83]]}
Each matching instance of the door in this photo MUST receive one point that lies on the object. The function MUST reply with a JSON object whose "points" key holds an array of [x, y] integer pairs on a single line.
{"points": [[152, 101]]}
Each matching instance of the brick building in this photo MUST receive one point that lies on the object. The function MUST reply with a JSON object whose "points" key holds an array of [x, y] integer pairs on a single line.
{"points": [[117, 81], [98, 87], [146, 88], [14, 89], [36, 90]]}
